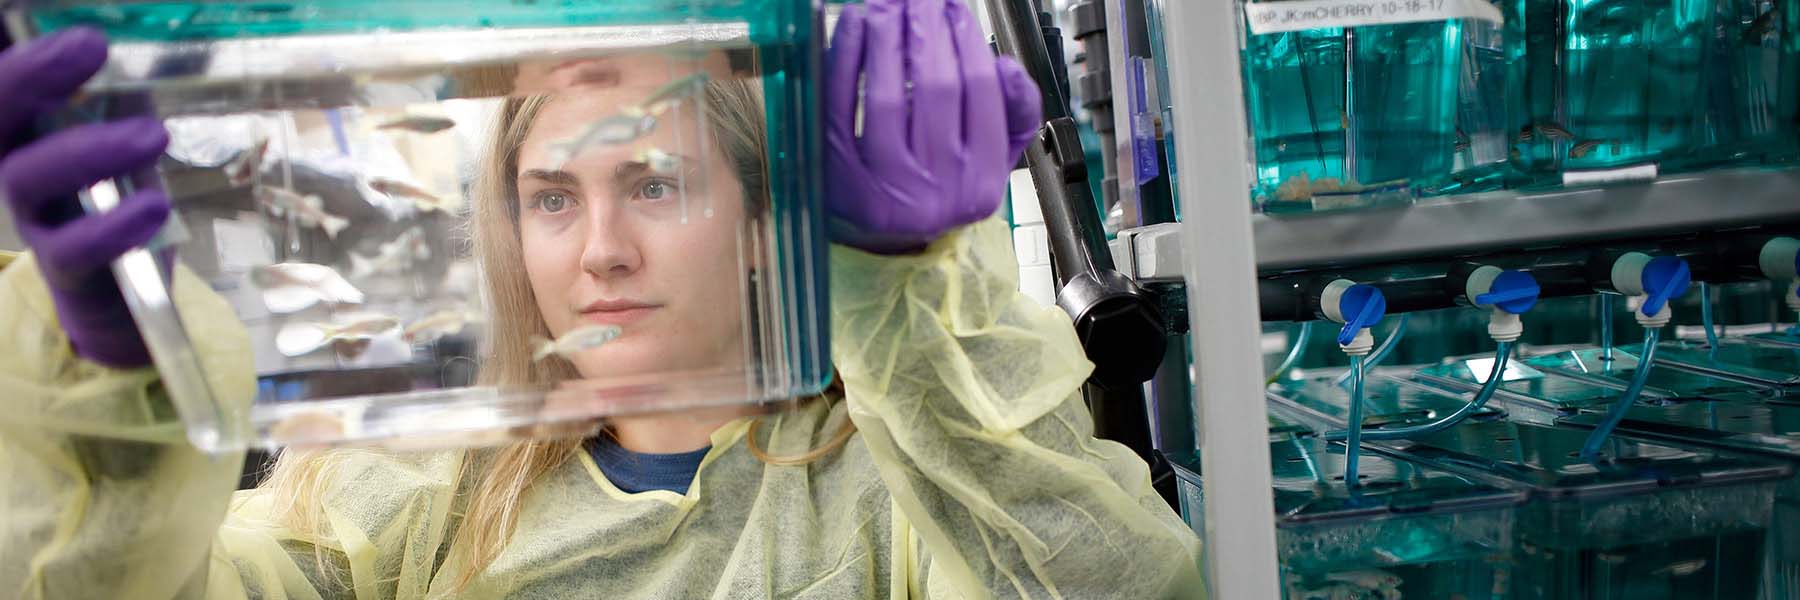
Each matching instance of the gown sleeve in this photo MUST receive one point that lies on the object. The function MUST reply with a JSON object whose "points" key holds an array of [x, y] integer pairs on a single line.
{"points": [[967, 394], [102, 497]]}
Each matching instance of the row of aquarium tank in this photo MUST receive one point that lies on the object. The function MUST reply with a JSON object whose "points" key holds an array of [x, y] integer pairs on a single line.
{"points": [[1358, 104], [1691, 496]]}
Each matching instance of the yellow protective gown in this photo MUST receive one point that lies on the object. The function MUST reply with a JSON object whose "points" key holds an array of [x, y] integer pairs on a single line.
{"points": [[973, 474]]}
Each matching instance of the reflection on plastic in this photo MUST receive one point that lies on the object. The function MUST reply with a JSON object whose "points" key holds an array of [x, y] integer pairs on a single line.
{"points": [[475, 417], [1479, 368], [395, 223]]}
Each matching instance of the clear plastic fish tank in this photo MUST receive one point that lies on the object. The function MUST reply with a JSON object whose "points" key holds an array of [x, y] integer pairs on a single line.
{"points": [[1642, 520], [1358, 112], [1789, 338], [1765, 428], [1755, 362], [1571, 380], [1389, 401], [462, 223], [1677, 375], [1753, 91], [1523, 384], [1616, 87], [1408, 531]]}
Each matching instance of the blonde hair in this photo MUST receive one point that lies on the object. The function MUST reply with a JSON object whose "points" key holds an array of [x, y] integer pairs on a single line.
{"points": [[299, 480]]}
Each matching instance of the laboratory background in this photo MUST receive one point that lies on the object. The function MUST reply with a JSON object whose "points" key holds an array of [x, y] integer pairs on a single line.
{"points": [[1472, 299]]}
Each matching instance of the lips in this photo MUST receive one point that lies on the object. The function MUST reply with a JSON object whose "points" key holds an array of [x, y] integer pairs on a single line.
{"points": [[618, 312]]}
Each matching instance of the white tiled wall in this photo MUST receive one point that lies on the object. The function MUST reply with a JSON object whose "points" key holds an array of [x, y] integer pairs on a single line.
{"points": [[1031, 243]]}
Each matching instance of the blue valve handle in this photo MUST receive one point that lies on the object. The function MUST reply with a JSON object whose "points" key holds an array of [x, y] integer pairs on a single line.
{"points": [[1512, 291], [1369, 306], [1665, 278], [1493, 298]]}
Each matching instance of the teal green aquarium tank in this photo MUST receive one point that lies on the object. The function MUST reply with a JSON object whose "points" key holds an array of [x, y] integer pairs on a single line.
{"points": [[1350, 113], [1708, 399], [1643, 520], [1759, 427], [1154, 25], [1538, 95], [1672, 380], [1757, 362], [1407, 531], [1389, 401], [1525, 385], [364, 183], [1483, 112], [1613, 83], [1753, 83], [1580, 378]]}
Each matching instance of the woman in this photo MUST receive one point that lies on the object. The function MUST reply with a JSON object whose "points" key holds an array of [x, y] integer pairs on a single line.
{"points": [[971, 471]]}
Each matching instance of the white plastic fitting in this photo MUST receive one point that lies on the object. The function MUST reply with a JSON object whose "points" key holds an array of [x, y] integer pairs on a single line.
{"points": [[1329, 301], [1481, 282], [1777, 263], [1504, 326], [1628, 273], [1361, 345], [1661, 318], [1777, 259], [1628, 278]]}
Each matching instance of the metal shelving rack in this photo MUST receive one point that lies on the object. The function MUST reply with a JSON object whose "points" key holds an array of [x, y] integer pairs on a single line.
{"points": [[1220, 248], [1212, 151], [1486, 222]]}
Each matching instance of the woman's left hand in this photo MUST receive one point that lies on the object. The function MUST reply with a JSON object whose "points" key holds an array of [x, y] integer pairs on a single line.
{"points": [[943, 123]]}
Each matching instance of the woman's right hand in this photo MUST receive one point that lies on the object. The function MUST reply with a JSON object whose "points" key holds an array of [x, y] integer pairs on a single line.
{"points": [[39, 179]]}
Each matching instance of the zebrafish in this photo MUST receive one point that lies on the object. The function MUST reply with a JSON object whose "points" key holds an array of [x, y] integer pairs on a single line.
{"points": [[439, 324], [610, 131], [291, 287], [419, 124], [243, 168], [309, 208], [1760, 28], [300, 339], [419, 196], [575, 342], [391, 256], [658, 160]]}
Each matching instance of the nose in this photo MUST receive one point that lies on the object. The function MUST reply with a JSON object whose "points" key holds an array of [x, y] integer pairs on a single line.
{"points": [[611, 249]]}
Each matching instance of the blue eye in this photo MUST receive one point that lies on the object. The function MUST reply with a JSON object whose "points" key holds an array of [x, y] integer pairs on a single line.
{"points": [[552, 202], [656, 190]]}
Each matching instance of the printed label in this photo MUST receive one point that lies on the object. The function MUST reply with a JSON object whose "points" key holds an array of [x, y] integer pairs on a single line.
{"points": [[1637, 173], [1299, 15]]}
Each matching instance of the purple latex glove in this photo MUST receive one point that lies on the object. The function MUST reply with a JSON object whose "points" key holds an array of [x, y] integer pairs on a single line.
{"points": [[931, 158], [40, 177]]}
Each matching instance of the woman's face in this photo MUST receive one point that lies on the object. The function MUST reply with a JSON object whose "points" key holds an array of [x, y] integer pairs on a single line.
{"points": [[610, 239]]}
